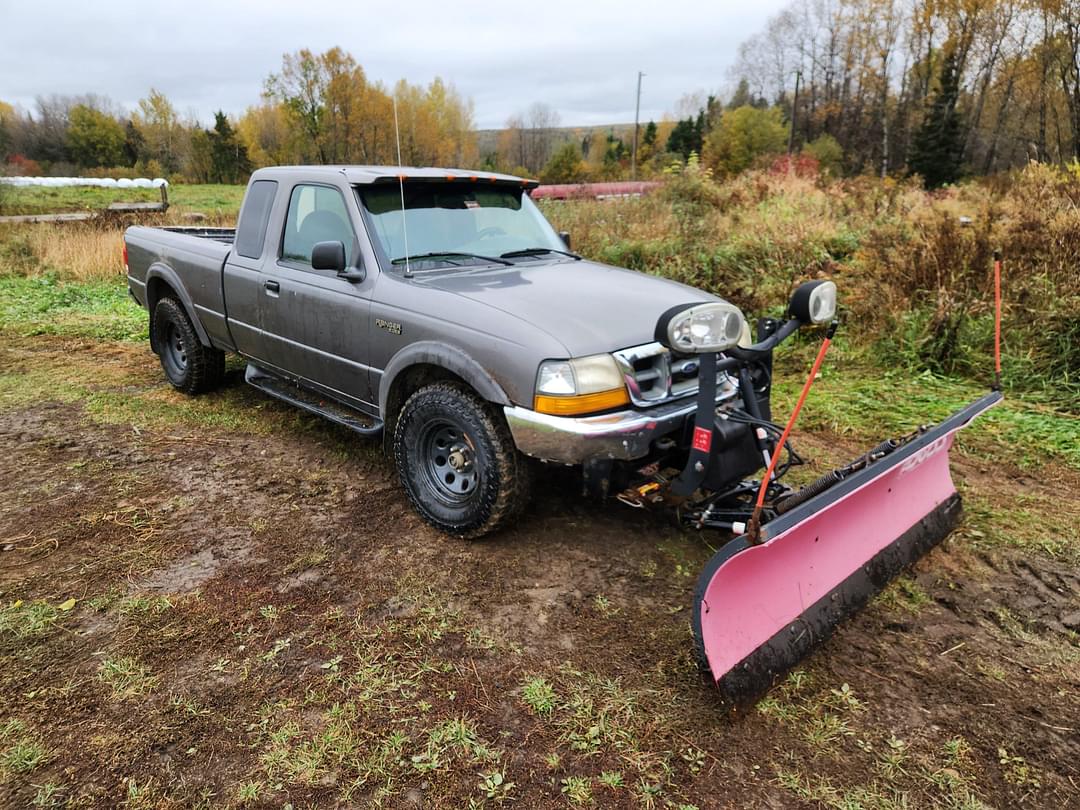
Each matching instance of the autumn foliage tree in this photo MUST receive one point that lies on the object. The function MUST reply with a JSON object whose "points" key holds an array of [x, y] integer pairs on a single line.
{"points": [[951, 85], [94, 138], [742, 136], [334, 114]]}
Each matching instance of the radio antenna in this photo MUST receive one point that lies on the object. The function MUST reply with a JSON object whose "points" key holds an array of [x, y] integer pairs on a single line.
{"points": [[401, 185]]}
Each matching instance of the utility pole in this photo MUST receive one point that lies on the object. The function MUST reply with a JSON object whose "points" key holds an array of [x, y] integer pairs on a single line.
{"points": [[637, 112], [794, 114]]}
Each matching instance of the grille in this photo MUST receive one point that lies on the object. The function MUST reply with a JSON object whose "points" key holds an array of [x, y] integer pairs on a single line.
{"points": [[655, 374]]}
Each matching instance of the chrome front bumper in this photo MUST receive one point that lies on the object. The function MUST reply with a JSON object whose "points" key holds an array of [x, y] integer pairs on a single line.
{"points": [[623, 435]]}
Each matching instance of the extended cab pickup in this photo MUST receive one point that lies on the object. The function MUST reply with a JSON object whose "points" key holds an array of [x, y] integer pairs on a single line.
{"points": [[437, 307]]}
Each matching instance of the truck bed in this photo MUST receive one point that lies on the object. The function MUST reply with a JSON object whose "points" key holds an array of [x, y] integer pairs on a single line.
{"points": [[223, 235], [190, 260]]}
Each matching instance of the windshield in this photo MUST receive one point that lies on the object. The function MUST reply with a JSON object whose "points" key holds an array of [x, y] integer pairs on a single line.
{"points": [[453, 223]]}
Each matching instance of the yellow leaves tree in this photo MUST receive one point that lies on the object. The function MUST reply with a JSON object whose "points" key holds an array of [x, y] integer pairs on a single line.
{"points": [[334, 114], [264, 131], [163, 133], [7, 116]]}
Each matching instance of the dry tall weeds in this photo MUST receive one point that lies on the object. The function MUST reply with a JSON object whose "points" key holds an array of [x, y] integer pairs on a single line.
{"points": [[78, 253]]}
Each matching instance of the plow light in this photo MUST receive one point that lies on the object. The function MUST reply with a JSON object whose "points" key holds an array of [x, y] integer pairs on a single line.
{"points": [[814, 302], [700, 329]]}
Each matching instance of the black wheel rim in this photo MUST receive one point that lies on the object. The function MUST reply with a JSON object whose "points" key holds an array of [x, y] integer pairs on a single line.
{"points": [[448, 462], [174, 351]]}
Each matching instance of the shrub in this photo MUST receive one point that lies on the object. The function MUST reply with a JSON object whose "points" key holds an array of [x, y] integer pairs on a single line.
{"points": [[742, 136]]}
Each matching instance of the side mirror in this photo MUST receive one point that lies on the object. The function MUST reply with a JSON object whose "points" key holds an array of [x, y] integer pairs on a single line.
{"points": [[331, 256], [328, 256], [565, 236]]}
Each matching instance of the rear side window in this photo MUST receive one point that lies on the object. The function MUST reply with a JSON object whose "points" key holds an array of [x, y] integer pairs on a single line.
{"points": [[251, 230], [316, 214]]}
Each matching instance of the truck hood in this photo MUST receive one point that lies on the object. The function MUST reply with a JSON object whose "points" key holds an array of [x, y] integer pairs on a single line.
{"points": [[588, 307]]}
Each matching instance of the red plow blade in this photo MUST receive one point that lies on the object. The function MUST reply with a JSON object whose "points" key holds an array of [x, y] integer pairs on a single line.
{"points": [[759, 609]]}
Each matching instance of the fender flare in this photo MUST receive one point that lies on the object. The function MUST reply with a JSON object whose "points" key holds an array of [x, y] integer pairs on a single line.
{"points": [[170, 277], [451, 358]]}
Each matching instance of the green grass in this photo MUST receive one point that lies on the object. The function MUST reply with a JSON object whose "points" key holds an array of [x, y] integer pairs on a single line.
{"points": [[206, 198], [873, 404], [126, 677], [45, 305], [538, 696], [26, 620], [19, 751]]}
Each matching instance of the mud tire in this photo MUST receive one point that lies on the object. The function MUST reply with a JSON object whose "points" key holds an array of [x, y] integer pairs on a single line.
{"points": [[482, 495], [189, 366]]}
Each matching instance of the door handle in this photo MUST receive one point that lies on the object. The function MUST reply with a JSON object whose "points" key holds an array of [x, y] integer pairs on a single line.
{"points": [[272, 288]]}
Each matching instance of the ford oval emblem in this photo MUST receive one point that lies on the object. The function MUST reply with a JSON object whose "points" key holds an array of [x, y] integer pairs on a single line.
{"points": [[690, 368]]}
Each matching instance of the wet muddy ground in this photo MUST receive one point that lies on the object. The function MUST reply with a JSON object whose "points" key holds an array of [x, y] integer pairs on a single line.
{"points": [[260, 620]]}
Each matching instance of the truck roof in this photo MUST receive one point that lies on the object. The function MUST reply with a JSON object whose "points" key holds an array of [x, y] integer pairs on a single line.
{"points": [[363, 175]]}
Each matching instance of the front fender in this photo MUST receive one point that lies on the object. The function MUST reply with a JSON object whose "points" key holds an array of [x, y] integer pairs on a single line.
{"points": [[451, 358]]}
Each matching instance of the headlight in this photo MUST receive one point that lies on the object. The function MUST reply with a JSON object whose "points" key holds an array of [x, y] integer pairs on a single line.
{"points": [[578, 386], [814, 302], [712, 327]]}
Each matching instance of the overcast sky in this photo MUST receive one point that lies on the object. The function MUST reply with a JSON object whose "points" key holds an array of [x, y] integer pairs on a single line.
{"points": [[580, 57]]}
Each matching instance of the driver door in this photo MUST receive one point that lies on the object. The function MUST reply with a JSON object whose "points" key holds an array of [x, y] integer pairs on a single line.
{"points": [[316, 323]]}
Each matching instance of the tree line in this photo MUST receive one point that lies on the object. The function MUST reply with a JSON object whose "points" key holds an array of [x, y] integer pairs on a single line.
{"points": [[318, 108], [941, 88]]}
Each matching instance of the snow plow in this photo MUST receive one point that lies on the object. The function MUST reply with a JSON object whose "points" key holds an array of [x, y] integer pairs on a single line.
{"points": [[795, 562]]}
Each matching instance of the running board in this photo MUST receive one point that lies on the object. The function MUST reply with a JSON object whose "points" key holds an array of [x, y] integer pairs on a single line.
{"points": [[311, 402]]}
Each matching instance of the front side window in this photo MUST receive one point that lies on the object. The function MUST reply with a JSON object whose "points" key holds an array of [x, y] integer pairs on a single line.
{"points": [[316, 214], [477, 219]]}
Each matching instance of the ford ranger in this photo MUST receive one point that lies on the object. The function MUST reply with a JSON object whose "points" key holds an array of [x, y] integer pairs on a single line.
{"points": [[436, 307]]}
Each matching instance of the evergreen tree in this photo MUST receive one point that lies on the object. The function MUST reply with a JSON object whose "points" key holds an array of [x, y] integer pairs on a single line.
{"points": [[228, 157], [939, 142], [615, 150], [649, 137], [134, 143], [687, 135], [742, 96]]}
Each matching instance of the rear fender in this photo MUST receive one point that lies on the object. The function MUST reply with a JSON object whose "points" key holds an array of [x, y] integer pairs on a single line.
{"points": [[162, 281]]}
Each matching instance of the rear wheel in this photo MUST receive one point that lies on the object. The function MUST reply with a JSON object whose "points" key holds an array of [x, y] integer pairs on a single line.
{"points": [[189, 366], [457, 461]]}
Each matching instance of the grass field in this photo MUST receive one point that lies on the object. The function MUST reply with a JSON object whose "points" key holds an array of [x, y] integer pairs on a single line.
{"points": [[207, 199], [222, 602]]}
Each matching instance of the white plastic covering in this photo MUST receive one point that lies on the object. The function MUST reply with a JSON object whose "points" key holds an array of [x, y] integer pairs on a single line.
{"points": [[100, 182]]}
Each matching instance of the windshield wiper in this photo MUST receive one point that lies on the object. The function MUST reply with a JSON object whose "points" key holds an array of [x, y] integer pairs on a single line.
{"points": [[450, 254], [536, 251]]}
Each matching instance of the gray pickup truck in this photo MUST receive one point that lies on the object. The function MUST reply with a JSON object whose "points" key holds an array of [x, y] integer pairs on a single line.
{"points": [[437, 308]]}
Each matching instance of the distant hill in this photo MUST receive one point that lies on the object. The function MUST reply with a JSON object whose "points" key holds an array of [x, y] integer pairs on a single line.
{"points": [[487, 139]]}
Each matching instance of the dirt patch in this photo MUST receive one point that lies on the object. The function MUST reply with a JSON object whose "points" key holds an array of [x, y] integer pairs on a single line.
{"points": [[299, 635]]}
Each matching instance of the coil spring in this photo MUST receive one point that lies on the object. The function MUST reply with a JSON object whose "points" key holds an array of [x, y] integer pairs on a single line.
{"points": [[809, 491], [836, 476]]}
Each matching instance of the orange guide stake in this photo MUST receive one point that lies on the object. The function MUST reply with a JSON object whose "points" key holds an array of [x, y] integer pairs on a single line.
{"points": [[753, 529], [997, 320]]}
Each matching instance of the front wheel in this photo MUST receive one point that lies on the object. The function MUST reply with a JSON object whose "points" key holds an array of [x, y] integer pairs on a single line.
{"points": [[457, 461]]}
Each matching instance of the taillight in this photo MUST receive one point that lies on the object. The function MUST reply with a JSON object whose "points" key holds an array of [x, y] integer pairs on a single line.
{"points": [[123, 245]]}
